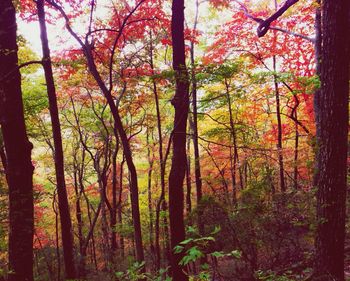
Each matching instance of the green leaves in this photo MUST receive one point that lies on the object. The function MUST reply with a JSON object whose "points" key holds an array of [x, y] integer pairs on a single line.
{"points": [[196, 248], [192, 255], [134, 273]]}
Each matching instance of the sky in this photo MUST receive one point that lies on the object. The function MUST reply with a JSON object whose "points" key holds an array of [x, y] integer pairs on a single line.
{"points": [[59, 38], [57, 32]]}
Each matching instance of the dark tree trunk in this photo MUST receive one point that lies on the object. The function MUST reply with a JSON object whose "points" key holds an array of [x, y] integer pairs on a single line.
{"points": [[114, 199], [194, 124], [120, 208], [234, 158], [194, 127], [161, 202], [63, 205], [178, 167], [78, 216], [188, 178], [150, 157], [296, 144], [19, 168], [279, 130], [331, 110]]}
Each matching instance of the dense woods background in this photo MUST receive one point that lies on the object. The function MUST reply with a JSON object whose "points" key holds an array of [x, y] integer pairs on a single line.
{"points": [[174, 140]]}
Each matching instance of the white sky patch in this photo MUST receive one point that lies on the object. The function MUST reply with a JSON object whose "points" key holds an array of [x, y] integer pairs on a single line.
{"points": [[60, 39], [31, 33]]}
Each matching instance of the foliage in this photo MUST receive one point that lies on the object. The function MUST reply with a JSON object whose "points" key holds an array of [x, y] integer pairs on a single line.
{"points": [[135, 273]]}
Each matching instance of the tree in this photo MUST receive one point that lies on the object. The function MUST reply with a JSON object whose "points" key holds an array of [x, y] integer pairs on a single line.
{"points": [[180, 102], [332, 117], [107, 90], [66, 224], [331, 110], [19, 168]]}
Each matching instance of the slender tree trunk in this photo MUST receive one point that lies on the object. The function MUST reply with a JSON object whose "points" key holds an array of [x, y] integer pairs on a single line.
{"points": [[120, 214], [188, 177], [279, 129], [150, 157], [296, 144], [57, 238], [19, 168], [118, 124], [331, 110], [194, 127], [66, 224], [178, 168], [114, 199], [161, 202], [78, 215], [233, 156]]}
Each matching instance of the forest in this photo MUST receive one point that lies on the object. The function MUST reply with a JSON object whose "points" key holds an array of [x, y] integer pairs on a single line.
{"points": [[183, 140]]}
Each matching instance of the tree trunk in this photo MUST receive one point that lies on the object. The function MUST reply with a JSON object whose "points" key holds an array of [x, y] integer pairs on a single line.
{"points": [[114, 199], [194, 124], [120, 206], [78, 215], [296, 144], [150, 158], [331, 111], [19, 168], [63, 205], [161, 202], [279, 129], [234, 158], [177, 173], [188, 178], [118, 125]]}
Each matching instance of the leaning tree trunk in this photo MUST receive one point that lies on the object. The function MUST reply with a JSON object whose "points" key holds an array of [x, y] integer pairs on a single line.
{"points": [[331, 110], [19, 168], [63, 205], [178, 166]]}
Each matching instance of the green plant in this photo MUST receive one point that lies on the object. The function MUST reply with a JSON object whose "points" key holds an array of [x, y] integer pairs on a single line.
{"points": [[193, 249], [135, 273]]}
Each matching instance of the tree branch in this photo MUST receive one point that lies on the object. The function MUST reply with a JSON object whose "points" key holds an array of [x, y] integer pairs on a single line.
{"points": [[264, 25]]}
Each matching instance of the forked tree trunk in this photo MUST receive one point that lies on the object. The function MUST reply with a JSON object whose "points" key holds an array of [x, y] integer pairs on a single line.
{"points": [[178, 167], [331, 110], [19, 168], [63, 205]]}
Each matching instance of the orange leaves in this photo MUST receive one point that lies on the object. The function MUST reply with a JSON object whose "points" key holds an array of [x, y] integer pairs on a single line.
{"points": [[221, 4]]}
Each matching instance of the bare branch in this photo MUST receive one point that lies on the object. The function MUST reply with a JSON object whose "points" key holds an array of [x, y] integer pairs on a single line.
{"points": [[264, 25]]}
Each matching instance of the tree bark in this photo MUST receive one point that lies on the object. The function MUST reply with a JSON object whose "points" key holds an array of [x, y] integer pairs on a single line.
{"points": [[331, 111], [181, 104], [19, 168], [63, 205]]}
